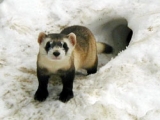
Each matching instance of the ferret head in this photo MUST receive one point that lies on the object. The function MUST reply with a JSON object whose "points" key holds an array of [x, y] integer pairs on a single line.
{"points": [[56, 46]]}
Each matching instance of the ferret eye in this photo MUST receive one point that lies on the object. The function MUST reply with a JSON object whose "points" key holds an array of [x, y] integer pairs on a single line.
{"points": [[65, 47], [48, 45]]}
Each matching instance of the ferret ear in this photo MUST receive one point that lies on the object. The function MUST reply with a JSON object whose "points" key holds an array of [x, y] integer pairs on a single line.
{"points": [[72, 38], [41, 37]]}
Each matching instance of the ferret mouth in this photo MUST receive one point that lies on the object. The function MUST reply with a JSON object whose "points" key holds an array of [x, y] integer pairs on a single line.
{"points": [[56, 58]]}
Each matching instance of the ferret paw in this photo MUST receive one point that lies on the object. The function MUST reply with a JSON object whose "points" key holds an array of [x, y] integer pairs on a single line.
{"points": [[66, 96], [41, 95]]}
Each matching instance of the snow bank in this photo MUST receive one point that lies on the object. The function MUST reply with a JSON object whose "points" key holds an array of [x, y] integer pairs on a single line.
{"points": [[127, 87]]}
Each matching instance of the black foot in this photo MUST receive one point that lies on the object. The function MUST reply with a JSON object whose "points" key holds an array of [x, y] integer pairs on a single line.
{"points": [[66, 96], [92, 71], [41, 95]]}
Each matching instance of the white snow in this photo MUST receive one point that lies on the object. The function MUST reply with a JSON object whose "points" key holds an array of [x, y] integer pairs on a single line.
{"points": [[127, 85]]}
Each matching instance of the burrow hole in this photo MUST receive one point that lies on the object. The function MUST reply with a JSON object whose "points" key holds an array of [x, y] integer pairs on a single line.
{"points": [[117, 34]]}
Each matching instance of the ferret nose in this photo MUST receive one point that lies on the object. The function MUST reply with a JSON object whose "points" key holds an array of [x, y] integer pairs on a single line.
{"points": [[56, 53]]}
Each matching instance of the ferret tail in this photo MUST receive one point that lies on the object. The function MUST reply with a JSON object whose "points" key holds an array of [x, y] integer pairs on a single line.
{"points": [[104, 48]]}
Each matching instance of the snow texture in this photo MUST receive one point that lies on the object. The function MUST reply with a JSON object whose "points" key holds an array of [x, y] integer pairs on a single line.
{"points": [[127, 84]]}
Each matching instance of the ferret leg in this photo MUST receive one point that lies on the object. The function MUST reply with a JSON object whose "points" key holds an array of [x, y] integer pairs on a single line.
{"points": [[93, 69], [67, 80], [42, 92]]}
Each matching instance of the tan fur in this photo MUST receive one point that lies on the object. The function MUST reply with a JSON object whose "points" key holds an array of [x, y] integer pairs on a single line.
{"points": [[83, 48], [52, 67], [85, 51], [100, 47]]}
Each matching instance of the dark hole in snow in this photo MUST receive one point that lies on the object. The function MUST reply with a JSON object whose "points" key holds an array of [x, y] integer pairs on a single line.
{"points": [[119, 34], [114, 32]]}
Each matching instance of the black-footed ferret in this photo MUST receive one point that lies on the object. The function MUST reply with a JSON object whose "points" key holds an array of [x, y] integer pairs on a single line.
{"points": [[62, 54]]}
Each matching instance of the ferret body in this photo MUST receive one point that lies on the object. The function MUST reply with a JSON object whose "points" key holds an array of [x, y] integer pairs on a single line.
{"points": [[64, 53]]}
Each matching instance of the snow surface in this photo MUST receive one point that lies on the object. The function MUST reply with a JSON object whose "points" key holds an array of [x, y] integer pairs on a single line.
{"points": [[127, 87]]}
